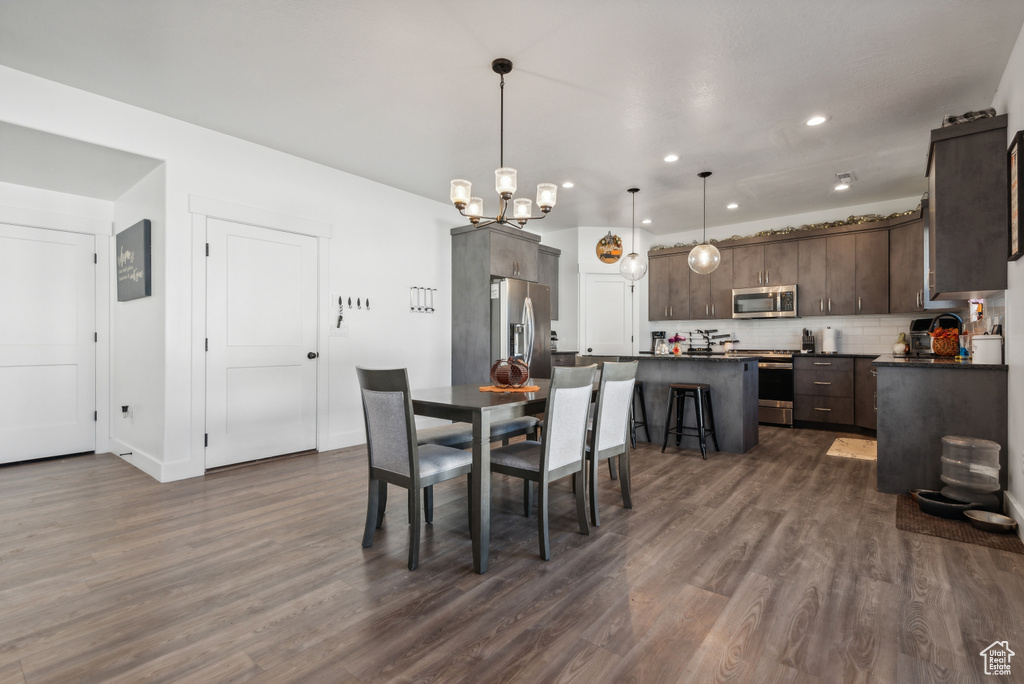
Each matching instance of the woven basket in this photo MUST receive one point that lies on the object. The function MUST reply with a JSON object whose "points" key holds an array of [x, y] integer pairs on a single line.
{"points": [[510, 372], [945, 346]]}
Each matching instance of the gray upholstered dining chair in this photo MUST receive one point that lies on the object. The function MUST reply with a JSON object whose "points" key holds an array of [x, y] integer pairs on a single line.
{"points": [[561, 450], [394, 455], [609, 434]]}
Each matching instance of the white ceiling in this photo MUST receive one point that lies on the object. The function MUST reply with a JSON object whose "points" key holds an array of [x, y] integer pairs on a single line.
{"points": [[401, 91]]}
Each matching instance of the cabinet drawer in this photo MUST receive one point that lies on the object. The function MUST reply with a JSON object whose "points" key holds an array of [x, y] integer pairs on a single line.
{"points": [[823, 383], [823, 409], [563, 359], [818, 363]]}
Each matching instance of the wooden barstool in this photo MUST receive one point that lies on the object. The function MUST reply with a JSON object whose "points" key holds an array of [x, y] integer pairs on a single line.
{"points": [[638, 393], [700, 392]]}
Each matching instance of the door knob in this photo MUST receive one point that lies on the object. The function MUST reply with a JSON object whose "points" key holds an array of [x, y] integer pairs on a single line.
{"points": [[312, 355], [590, 349]]}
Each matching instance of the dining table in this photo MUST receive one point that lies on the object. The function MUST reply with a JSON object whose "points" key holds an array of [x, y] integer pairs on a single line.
{"points": [[469, 404]]}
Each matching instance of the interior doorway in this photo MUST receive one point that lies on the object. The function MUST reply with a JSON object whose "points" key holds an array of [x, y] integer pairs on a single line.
{"points": [[608, 314], [47, 343], [261, 365]]}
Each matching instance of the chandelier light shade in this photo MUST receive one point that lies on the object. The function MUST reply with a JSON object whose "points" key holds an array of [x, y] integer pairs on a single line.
{"points": [[634, 266], [705, 257], [504, 182]]}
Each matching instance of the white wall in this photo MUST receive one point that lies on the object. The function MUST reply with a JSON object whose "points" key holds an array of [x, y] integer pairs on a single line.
{"points": [[138, 332], [1009, 100], [384, 241]]}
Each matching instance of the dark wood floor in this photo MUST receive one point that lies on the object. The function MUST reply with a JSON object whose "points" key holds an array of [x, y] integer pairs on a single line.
{"points": [[779, 565]]}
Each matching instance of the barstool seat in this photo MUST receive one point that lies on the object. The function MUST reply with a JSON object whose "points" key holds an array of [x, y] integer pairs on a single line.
{"points": [[678, 393]]}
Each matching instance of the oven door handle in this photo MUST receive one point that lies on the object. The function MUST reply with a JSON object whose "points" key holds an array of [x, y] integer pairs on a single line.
{"points": [[768, 364]]}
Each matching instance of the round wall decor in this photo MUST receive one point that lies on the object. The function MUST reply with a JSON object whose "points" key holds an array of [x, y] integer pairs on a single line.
{"points": [[609, 248]]}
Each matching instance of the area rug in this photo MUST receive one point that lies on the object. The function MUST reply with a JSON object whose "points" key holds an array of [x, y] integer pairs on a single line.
{"points": [[848, 447], [910, 518]]}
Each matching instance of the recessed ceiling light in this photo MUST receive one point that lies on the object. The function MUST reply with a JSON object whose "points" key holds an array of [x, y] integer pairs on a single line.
{"points": [[672, 158], [816, 120], [842, 186], [732, 205], [646, 221], [568, 184]]}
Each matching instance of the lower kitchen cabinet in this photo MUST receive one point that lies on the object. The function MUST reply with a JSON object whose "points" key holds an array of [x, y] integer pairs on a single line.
{"points": [[823, 390], [865, 393]]}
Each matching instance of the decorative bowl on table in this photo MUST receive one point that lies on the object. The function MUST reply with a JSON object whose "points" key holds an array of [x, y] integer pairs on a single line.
{"points": [[511, 372]]}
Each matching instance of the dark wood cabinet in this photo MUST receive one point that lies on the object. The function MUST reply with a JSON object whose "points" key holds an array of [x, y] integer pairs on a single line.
{"points": [[774, 263], [906, 268], [711, 293], [811, 285], [668, 288], [865, 394], [841, 275], [514, 255], [823, 389], [872, 285], [547, 271], [967, 210]]}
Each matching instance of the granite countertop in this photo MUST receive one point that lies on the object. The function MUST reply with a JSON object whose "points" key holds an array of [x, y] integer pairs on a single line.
{"points": [[568, 351], [797, 355], [687, 357], [935, 362]]}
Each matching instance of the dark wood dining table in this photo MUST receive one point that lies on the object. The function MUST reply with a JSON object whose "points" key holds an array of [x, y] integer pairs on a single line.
{"points": [[466, 403]]}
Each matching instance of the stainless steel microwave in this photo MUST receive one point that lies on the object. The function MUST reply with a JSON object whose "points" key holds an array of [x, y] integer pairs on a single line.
{"points": [[764, 302]]}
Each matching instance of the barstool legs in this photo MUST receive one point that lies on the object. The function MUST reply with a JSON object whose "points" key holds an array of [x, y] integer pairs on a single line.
{"points": [[703, 414]]}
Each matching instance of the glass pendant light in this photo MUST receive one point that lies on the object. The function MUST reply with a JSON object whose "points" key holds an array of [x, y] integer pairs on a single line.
{"points": [[634, 266], [705, 257]]}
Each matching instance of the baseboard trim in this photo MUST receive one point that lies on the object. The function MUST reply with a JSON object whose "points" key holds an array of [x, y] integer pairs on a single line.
{"points": [[1015, 511]]}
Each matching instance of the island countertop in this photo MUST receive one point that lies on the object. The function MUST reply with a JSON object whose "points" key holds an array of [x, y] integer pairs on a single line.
{"points": [[688, 357], [946, 362]]}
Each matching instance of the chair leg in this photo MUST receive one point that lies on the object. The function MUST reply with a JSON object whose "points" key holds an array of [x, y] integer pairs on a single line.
{"points": [[414, 528], [643, 416], [611, 467], [581, 503], [542, 520], [680, 411], [668, 420], [428, 504], [527, 498], [627, 496], [698, 406], [372, 508], [711, 422], [595, 518], [382, 502], [632, 426]]}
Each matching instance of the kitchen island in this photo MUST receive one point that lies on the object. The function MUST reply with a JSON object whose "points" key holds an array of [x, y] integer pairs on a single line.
{"points": [[733, 381], [921, 400]]}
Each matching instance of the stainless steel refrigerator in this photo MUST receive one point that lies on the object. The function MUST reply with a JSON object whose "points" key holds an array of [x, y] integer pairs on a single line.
{"points": [[521, 324]]}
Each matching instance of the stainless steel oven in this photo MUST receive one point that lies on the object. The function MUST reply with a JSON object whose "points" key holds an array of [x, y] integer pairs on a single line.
{"points": [[774, 385], [778, 301]]}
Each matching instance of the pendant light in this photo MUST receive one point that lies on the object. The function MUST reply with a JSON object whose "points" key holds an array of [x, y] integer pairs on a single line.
{"points": [[634, 266], [705, 257]]}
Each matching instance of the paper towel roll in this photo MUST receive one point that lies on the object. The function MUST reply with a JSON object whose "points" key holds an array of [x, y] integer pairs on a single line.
{"points": [[830, 341]]}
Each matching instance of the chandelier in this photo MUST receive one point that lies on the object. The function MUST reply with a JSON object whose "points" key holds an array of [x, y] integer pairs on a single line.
{"points": [[634, 266], [504, 182], [705, 257]]}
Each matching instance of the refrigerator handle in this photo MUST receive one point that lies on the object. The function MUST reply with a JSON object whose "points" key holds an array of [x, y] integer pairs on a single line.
{"points": [[530, 330]]}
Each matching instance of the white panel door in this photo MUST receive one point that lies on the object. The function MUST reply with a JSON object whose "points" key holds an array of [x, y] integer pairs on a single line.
{"points": [[47, 344], [261, 325], [608, 315]]}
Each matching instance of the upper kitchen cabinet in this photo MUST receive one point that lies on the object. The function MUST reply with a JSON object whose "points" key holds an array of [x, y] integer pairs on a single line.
{"points": [[967, 211], [668, 286], [711, 293], [514, 253], [845, 274], [774, 263], [908, 289], [548, 274]]}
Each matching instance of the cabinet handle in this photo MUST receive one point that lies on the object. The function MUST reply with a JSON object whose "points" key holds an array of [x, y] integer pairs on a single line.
{"points": [[821, 306], [821, 409], [858, 304], [822, 363], [767, 277], [816, 382], [876, 402], [830, 305], [759, 281], [874, 373], [712, 310], [670, 310], [707, 309]]}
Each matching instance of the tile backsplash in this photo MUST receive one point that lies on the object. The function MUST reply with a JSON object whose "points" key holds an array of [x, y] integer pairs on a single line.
{"points": [[863, 334]]}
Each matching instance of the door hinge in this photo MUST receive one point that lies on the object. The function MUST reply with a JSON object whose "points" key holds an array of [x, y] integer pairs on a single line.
{"points": [[95, 416], [95, 258], [206, 439], [207, 344], [95, 337], [207, 249]]}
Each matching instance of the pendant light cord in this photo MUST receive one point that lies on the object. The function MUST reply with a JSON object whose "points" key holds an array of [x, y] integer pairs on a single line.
{"points": [[705, 208], [501, 135], [632, 235]]}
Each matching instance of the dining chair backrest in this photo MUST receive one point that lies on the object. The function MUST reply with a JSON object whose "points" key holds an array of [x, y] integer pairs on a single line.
{"points": [[388, 416], [611, 414], [565, 431]]}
